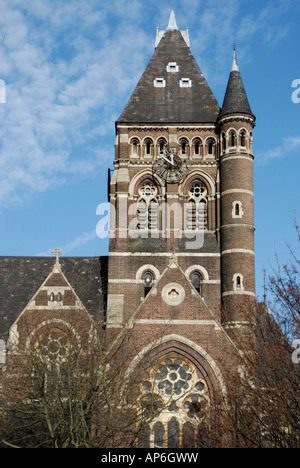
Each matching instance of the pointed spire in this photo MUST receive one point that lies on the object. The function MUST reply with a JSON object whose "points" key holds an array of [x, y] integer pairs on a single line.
{"points": [[234, 63], [172, 22], [235, 100]]}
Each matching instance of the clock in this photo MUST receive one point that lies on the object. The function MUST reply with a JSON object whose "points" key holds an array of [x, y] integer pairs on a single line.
{"points": [[169, 166]]}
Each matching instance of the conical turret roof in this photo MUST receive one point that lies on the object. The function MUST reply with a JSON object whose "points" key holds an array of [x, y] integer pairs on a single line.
{"points": [[172, 89], [235, 100]]}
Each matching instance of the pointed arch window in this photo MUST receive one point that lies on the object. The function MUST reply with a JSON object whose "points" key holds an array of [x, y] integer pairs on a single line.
{"points": [[197, 207], [174, 405], [224, 141], [148, 207], [197, 280], [232, 139], [237, 210], [51, 374], [243, 138], [238, 283], [148, 282]]}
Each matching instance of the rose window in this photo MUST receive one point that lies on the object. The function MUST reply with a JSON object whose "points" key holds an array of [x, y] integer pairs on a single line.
{"points": [[54, 345], [174, 405], [148, 189], [173, 377], [198, 190]]}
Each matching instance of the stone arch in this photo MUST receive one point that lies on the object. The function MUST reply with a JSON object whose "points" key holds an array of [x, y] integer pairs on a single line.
{"points": [[180, 345], [198, 175], [49, 325], [143, 176], [183, 380]]}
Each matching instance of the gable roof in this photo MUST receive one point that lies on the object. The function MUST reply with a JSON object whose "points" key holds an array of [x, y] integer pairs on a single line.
{"points": [[21, 277], [171, 103]]}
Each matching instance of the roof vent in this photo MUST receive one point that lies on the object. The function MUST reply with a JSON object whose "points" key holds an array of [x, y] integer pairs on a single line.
{"points": [[185, 83], [172, 67], [159, 83]]}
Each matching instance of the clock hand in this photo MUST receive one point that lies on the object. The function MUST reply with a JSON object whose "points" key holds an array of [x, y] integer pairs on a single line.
{"points": [[170, 161]]}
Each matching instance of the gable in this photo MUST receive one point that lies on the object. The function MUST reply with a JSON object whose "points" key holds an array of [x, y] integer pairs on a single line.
{"points": [[174, 298], [21, 277]]}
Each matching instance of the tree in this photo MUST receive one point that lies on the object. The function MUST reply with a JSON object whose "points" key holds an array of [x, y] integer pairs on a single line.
{"points": [[264, 398], [63, 394]]}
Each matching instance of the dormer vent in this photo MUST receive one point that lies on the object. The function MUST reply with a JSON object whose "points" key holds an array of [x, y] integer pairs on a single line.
{"points": [[185, 83], [172, 67], [159, 83]]}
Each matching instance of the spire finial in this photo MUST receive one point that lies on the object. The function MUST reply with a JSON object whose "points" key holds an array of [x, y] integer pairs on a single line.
{"points": [[172, 22], [57, 253], [234, 63]]}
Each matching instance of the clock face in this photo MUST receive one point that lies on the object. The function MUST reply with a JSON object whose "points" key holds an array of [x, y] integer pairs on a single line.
{"points": [[169, 166]]}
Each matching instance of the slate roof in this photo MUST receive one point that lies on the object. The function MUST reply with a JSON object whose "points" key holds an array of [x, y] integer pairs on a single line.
{"points": [[235, 100], [172, 103], [21, 277]]}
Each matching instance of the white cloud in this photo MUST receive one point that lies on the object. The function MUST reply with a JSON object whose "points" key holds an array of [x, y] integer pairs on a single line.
{"points": [[62, 86], [288, 147], [69, 67], [79, 241]]}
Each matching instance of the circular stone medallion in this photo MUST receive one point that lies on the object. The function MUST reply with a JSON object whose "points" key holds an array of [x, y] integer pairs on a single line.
{"points": [[173, 294]]}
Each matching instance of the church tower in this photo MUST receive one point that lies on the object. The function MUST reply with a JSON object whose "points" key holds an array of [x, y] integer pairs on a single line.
{"points": [[164, 189], [181, 253]]}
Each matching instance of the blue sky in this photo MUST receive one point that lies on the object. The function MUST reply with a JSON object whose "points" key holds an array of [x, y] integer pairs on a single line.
{"points": [[69, 68]]}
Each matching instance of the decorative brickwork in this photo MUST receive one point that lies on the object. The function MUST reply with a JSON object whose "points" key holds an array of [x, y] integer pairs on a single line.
{"points": [[181, 253]]}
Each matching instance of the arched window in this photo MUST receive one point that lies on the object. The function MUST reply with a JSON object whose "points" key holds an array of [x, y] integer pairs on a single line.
{"points": [[52, 297], [174, 405], [237, 209], [59, 297], [52, 352], [243, 138], [224, 141], [197, 148], [250, 141], [211, 145], [232, 139], [196, 280], [148, 283], [238, 281], [161, 144], [147, 207], [148, 147], [184, 147], [135, 147], [197, 207]]}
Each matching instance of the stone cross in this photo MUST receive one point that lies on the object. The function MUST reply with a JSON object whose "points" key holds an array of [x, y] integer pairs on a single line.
{"points": [[57, 252]]}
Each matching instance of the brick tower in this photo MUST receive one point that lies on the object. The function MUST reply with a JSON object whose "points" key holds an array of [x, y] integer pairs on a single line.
{"points": [[236, 123], [181, 254]]}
